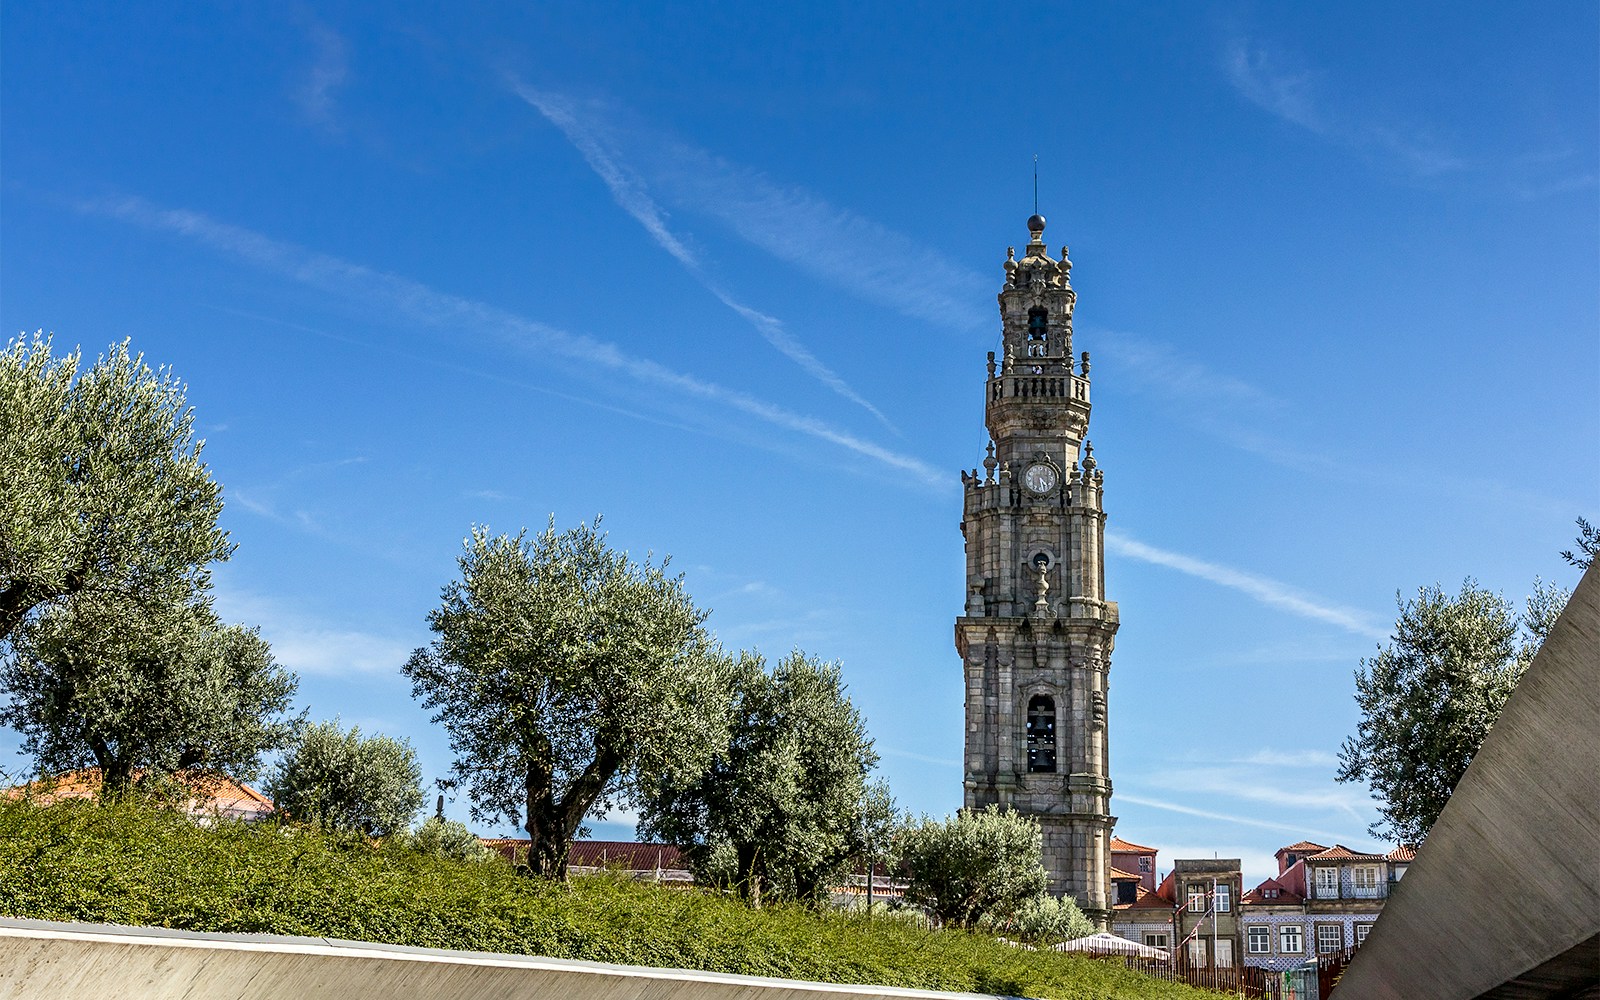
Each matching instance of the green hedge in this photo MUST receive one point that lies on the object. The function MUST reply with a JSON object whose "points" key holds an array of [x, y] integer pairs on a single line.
{"points": [[130, 864]]}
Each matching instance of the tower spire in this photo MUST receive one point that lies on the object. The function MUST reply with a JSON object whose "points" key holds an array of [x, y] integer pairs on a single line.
{"points": [[1035, 183]]}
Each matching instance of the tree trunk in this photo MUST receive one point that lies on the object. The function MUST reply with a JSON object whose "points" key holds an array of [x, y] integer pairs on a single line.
{"points": [[15, 603], [747, 880], [547, 841]]}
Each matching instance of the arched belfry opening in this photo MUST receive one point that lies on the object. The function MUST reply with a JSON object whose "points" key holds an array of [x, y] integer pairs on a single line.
{"points": [[1041, 734], [1038, 330]]}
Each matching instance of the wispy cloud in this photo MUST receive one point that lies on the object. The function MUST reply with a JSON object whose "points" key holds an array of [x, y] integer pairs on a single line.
{"points": [[1272, 593], [1247, 785], [421, 304], [491, 495], [1268, 757], [797, 226], [315, 94], [307, 644], [923, 758], [1164, 370], [1282, 84], [1221, 817], [632, 195]]}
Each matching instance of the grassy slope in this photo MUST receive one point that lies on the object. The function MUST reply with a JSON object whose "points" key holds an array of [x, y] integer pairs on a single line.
{"points": [[129, 865]]}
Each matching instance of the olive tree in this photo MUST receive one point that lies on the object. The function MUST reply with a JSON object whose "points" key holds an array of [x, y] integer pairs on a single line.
{"points": [[102, 489], [974, 865], [141, 687], [788, 805], [565, 674], [1429, 698], [343, 781]]}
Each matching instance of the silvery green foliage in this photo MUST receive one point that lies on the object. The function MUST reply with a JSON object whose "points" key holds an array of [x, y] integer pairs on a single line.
{"points": [[973, 865], [1040, 920], [1430, 697], [343, 781], [785, 809], [447, 839], [565, 673], [158, 688], [102, 489]]}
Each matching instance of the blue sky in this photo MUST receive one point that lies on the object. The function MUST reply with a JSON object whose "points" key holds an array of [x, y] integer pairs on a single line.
{"points": [[726, 275]]}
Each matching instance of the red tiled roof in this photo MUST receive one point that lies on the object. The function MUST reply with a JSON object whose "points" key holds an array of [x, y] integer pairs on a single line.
{"points": [[1339, 852], [1403, 853], [1126, 846], [625, 854], [212, 793], [1285, 895], [1117, 873], [1148, 900], [1304, 847]]}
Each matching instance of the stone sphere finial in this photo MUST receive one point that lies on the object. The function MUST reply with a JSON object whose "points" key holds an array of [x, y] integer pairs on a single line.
{"points": [[1035, 225]]}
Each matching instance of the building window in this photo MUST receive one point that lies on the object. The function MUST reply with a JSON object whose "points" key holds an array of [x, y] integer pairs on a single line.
{"points": [[1197, 953], [1197, 898], [1327, 883], [1146, 863], [1224, 897], [1365, 879], [1041, 734], [1260, 941], [1155, 940], [1362, 930], [1224, 953], [1330, 938], [1127, 891], [1269, 893], [1290, 941]]}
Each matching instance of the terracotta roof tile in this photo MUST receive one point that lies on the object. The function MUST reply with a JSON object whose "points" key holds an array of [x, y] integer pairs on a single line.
{"points": [[1403, 853], [1148, 900], [1117, 873], [1258, 895], [625, 854], [1303, 847], [212, 793], [1339, 852], [1126, 846]]}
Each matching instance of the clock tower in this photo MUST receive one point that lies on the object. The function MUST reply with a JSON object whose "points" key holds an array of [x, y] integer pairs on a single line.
{"points": [[1036, 636]]}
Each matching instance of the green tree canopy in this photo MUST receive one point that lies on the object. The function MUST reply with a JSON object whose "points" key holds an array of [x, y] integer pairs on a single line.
{"points": [[343, 781], [788, 804], [162, 688], [565, 673], [102, 489], [975, 864], [1041, 920], [446, 838], [1430, 697]]}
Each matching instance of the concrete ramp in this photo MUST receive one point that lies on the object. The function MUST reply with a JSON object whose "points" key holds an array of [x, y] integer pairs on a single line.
{"points": [[43, 960], [1503, 901]]}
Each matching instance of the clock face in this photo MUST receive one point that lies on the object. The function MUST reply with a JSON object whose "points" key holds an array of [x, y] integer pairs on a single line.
{"points": [[1039, 478]]}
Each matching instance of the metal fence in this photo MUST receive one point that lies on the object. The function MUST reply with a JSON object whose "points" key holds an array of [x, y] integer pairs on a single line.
{"points": [[1307, 982]]}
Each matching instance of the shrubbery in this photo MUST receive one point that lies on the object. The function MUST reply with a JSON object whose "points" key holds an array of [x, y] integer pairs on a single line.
{"points": [[125, 863]]}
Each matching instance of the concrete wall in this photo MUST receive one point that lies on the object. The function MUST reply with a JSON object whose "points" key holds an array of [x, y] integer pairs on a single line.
{"points": [[41, 960], [1504, 897]]}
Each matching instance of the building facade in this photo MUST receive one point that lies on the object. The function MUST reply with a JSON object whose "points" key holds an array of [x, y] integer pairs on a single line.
{"points": [[1323, 901], [1207, 931], [1036, 634]]}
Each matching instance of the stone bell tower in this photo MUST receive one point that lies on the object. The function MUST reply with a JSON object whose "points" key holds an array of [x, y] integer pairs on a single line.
{"points": [[1036, 638]]}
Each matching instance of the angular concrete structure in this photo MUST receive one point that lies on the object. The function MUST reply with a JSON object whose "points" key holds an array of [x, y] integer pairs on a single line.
{"points": [[1503, 900]]}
